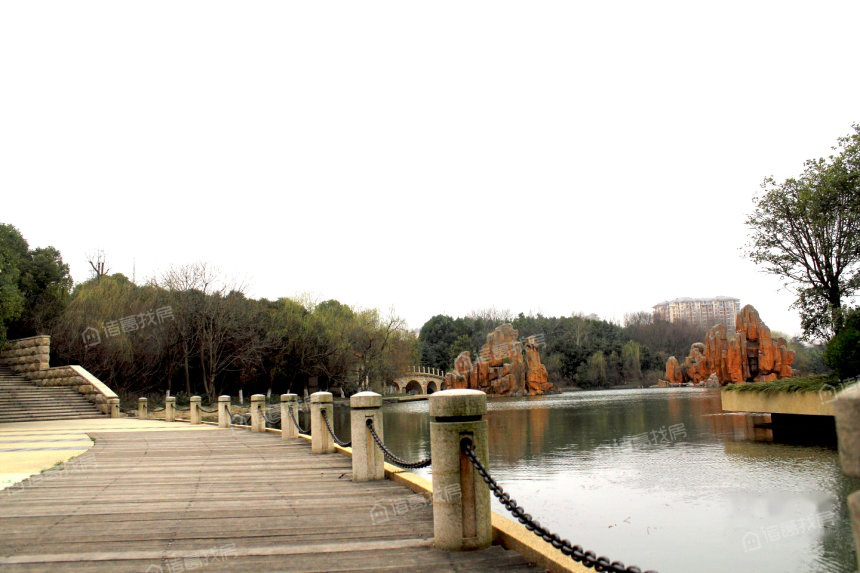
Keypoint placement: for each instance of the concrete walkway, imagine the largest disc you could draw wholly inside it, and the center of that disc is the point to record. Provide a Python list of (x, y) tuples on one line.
[(155, 497)]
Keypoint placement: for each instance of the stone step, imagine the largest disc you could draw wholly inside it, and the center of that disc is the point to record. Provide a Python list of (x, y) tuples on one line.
[(23, 401), (45, 407), (37, 389), (11, 420), (48, 394), (41, 397), (79, 399), (44, 398)]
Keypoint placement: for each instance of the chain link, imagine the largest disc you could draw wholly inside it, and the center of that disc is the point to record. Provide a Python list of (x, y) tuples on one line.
[(202, 409), (330, 431), (296, 422), (389, 455), (575, 552), (153, 411)]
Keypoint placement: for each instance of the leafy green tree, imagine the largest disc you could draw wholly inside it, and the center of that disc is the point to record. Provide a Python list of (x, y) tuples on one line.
[(596, 370), (13, 251), (437, 338), (461, 344), (34, 285), (806, 230), (631, 361), (46, 284), (842, 353)]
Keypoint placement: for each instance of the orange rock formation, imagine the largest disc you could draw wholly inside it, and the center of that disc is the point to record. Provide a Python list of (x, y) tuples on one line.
[(751, 355), (673, 371), (501, 368)]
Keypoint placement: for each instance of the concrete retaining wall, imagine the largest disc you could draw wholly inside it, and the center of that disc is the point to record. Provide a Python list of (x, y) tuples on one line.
[(808, 403)]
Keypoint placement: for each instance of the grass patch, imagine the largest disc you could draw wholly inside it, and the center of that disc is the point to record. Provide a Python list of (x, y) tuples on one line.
[(790, 385)]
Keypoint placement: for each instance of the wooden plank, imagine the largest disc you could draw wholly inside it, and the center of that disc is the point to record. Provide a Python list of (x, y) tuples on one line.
[(153, 497)]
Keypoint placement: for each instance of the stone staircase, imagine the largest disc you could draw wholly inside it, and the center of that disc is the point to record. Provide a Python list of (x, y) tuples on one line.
[(23, 401)]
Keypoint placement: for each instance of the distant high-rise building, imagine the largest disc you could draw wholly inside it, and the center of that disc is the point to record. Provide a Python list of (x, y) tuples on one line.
[(703, 311)]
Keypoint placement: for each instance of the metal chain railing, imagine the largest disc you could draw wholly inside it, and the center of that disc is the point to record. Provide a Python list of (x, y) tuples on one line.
[(202, 409), (156, 410), (389, 455), (330, 431), (296, 422), (575, 552)]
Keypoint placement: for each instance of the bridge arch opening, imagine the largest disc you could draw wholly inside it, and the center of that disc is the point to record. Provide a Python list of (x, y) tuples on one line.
[(431, 387), (414, 387), (392, 388)]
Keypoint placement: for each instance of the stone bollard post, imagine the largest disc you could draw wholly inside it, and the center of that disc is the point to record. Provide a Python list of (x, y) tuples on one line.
[(461, 499), (321, 442), (223, 411), (113, 407), (368, 461), (288, 429), (170, 409), (194, 414), (847, 409), (142, 409), (258, 423)]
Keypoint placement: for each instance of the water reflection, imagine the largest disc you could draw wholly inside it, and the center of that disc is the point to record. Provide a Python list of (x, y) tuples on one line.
[(692, 501)]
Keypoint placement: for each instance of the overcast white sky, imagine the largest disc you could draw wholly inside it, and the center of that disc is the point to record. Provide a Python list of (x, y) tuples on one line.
[(436, 157)]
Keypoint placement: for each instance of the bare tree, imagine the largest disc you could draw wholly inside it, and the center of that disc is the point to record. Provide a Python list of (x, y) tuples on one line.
[(98, 264)]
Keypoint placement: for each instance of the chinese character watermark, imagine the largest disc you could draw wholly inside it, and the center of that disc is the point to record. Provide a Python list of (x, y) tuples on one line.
[(78, 464), (664, 435), (132, 323), (195, 560), (383, 513), (752, 541)]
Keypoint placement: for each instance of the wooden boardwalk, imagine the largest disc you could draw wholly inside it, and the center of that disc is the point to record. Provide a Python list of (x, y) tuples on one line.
[(213, 500)]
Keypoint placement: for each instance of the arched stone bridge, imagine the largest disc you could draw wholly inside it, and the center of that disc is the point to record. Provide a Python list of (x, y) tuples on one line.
[(418, 380)]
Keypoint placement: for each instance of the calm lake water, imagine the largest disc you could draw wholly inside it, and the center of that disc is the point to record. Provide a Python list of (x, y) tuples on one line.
[(658, 478)]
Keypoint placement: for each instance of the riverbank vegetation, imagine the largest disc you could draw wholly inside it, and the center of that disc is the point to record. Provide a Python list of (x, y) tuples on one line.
[(826, 383)]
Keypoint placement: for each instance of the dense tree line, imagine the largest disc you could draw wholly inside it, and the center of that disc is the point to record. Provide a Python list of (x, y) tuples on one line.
[(189, 332), (579, 350)]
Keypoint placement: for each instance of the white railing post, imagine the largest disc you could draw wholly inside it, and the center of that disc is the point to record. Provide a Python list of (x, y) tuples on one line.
[(847, 409), (113, 407), (194, 413), (288, 428), (170, 409), (461, 499), (368, 462), (258, 424), (142, 409), (224, 411), (321, 441)]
